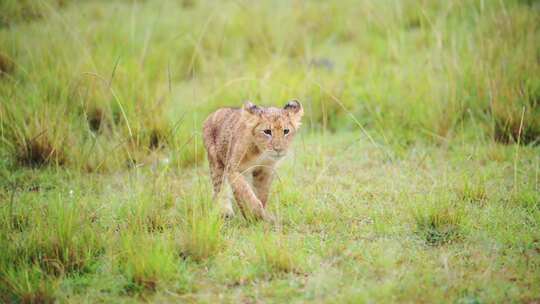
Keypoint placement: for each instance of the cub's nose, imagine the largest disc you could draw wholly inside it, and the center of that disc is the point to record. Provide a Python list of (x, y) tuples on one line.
[(280, 152)]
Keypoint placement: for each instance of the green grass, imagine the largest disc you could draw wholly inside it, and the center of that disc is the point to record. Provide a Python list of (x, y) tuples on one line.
[(415, 177), (361, 227), (439, 222)]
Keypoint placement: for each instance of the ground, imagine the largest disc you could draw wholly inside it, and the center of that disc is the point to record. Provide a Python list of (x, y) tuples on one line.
[(357, 223)]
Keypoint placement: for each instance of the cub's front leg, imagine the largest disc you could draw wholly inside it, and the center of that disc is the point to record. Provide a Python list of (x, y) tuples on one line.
[(262, 180), (245, 196)]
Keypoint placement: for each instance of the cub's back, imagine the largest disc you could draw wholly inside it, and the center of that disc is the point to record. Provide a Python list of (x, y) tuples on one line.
[(218, 128)]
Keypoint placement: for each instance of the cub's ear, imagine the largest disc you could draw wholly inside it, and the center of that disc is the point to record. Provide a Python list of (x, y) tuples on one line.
[(251, 108), (251, 114), (295, 111)]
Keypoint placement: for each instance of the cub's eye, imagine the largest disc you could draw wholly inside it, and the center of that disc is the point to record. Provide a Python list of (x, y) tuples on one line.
[(268, 132), (286, 131)]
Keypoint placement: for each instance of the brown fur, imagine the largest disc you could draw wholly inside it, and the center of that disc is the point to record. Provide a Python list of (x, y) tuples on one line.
[(243, 156)]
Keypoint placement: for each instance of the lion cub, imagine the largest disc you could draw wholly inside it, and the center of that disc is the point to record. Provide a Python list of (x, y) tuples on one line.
[(243, 146)]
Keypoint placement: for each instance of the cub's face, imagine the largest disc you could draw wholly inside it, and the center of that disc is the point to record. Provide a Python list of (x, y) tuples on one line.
[(273, 129)]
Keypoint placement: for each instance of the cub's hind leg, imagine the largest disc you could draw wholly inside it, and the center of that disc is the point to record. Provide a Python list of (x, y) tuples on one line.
[(222, 190), (217, 169)]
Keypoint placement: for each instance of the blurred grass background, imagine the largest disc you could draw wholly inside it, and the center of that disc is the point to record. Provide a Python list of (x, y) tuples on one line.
[(97, 85)]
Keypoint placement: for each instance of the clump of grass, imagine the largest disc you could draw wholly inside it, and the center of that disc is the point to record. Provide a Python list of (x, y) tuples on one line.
[(473, 190), (26, 284), (57, 238), (152, 133), (39, 151), (36, 138), (188, 3), (147, 215), (232, 267), (275, 254), (7, 66), (58, 256), (526, 198), (17, 221), (148, 136), (511, 129), (512, 90), (186, 143), (98, 154), (157, 139), (96, 119), (21, 279), (70, 244), (13, 217), (200, 236), (146, 261), (438, 222)]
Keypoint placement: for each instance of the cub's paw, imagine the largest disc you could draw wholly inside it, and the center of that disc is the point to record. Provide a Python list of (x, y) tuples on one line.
[(227, 213), (269, 218)]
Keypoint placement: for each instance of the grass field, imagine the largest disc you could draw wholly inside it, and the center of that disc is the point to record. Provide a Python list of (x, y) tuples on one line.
[(415, 177)]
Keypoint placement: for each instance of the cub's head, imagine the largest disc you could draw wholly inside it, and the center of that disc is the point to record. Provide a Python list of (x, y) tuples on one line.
[(273, 129)]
